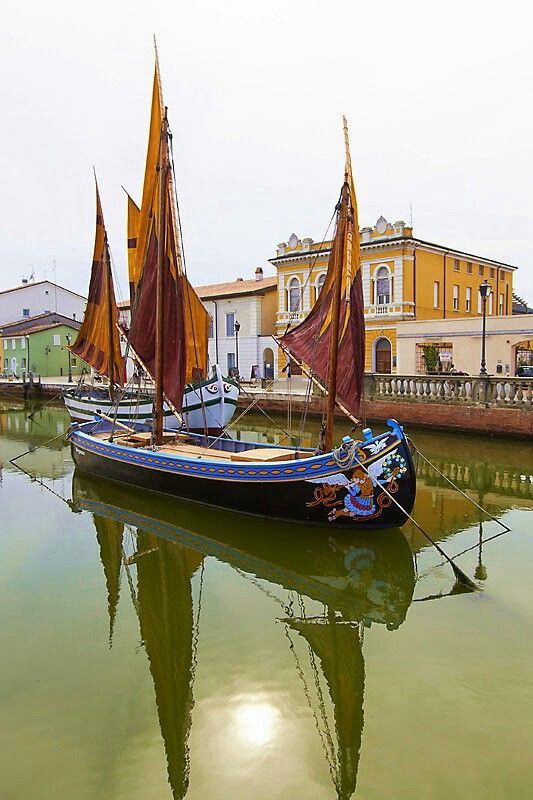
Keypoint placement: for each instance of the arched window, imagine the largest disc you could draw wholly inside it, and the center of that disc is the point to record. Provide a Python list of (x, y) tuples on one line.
[(295, 295), (383, 282), (320, 284)]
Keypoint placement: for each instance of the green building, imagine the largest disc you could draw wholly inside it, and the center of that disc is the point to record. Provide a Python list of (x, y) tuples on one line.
[(39, 345)]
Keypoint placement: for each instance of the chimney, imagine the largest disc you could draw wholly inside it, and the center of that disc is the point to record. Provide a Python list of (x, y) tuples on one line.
[(259, 273), (24, 280)]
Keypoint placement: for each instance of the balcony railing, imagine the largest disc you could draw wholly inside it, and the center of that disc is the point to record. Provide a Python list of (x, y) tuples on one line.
[(464, 389)]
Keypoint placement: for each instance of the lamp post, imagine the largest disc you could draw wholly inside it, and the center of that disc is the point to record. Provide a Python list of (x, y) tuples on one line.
[(67, 337), (484, 290), (237, 329)]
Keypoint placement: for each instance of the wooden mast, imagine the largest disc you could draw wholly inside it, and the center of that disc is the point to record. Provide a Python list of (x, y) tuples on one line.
[(338, 256), (110, 319), (161, 251)]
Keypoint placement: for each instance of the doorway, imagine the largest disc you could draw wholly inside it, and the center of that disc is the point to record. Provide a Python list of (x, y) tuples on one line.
[(268, 364), (383, 355)]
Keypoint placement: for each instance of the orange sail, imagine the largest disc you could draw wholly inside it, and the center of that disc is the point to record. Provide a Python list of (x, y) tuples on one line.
[(98, 340), (134, 214), (185, 326), (309, 342)]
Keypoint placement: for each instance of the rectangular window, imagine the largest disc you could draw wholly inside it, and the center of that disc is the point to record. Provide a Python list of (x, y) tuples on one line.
[(23, 342), (469, 267), (456, 298), (57, 338), (210, 334), (468, 299), (232, 363), (6, 363), (73, 362), (13, 343), (436, 293), (23, 363), (492, 272), (479, 304), (25, 312), (456, 265), (501, 306), (491, 304), (480, 270), (230, 324)]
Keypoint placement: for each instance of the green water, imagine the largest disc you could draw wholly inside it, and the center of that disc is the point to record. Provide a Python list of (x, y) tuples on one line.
[(155, 649)]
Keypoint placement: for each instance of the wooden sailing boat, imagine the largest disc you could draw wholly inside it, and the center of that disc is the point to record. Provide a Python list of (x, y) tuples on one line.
[(209, 399), (366, 483)]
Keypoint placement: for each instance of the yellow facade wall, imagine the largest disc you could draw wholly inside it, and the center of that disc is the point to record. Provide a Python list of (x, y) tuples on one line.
[(414, 266)]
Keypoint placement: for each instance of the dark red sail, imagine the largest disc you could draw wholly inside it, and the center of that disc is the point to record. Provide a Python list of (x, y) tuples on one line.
[(309, 342)]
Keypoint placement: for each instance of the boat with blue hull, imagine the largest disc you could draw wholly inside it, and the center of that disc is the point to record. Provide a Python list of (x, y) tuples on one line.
[(352, 486), (367, 483)]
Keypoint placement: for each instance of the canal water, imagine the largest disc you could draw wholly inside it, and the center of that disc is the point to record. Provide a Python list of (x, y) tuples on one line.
[(156, 649)]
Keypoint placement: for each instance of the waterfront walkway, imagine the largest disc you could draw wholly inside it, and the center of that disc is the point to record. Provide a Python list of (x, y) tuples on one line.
[(491, 405)]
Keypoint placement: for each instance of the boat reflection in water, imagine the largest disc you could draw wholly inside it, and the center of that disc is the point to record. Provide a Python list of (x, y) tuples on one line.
[(358, 580)]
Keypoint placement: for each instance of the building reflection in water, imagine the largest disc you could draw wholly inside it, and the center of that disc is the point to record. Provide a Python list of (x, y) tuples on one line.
[(357, 582)]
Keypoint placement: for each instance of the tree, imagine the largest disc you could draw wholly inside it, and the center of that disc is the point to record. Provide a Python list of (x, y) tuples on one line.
[(431, 357)]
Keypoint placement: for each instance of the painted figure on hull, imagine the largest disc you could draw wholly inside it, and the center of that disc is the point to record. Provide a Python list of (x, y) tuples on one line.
[(359, 498)]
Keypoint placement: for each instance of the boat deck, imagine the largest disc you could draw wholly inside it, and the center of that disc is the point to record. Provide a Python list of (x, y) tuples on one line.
[(183, 445)]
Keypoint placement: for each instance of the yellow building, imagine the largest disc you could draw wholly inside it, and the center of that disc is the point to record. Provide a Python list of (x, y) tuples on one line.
[(404, 278)]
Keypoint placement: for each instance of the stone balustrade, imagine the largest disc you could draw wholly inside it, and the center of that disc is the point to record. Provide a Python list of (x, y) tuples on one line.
[(493, 391)]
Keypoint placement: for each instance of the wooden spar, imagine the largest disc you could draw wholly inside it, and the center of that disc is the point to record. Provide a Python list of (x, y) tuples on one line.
[(335, 322), (116, 422), (159, 316), (315, 380), (110, 320)]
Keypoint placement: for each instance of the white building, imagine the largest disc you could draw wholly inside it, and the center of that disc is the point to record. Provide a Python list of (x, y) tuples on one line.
[(40, 297), (251, 304)]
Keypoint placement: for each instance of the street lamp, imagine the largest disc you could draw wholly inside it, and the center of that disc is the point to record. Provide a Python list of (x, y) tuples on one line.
[(484, 291), (237, 329), (67, 337)]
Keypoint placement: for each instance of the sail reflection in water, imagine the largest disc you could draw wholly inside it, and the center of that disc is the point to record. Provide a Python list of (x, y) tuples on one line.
[(357, 580)]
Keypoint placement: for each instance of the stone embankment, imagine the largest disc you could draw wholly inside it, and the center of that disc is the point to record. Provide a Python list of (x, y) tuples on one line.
[(491, 405)]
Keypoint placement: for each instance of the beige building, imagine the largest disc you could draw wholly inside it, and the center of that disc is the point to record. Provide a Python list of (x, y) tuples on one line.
[(457, 344), (251, 304)]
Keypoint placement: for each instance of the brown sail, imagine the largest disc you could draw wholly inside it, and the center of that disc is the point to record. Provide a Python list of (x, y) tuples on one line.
[(184, 319), (98, 339), (310, 342)]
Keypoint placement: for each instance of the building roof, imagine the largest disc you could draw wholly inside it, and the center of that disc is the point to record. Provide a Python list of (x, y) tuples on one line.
[(39, 322), (238, 287), (232, 289), (380, 243), (40, 283)]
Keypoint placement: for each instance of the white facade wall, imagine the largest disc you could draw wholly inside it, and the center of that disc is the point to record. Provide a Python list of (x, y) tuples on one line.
[(503, 335), (37, 298), (251, 343)]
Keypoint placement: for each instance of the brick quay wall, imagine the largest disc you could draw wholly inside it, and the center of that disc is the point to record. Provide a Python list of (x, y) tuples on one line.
[(497, 406)]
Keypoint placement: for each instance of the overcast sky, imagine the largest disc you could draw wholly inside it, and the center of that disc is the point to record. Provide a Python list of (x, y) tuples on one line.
[(438, 97)]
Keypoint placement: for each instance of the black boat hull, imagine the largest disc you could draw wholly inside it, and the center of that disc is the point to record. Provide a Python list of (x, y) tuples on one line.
[(348, 498)]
